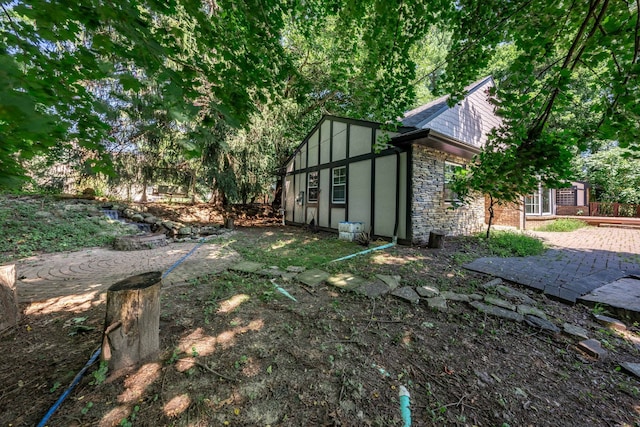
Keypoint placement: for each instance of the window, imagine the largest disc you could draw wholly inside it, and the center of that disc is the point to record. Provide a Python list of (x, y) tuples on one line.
[(312, 187), (538, 203), (449, 172), (566, 197), (339, 185)]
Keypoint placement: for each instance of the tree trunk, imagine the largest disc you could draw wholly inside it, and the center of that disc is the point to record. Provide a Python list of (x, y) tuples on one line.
[(9, 311), (132, 321), (277, 196), (490, 215)]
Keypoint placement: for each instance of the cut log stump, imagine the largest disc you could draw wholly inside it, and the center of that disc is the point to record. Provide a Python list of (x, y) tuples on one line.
[(436, 239), (9, 311), (132, 322)]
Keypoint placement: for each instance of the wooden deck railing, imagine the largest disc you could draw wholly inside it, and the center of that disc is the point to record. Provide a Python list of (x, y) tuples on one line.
[(614, 209)]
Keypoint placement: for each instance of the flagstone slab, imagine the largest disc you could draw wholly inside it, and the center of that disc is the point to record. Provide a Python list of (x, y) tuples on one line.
[(527, 309), (452, 296), (247, 267), (427, 291), (575, 331), (406, 293), (374, 289), (490, 299), (632, 368), (346, 281), (437, 303), (312, 277), (392, 281), (497, 311)]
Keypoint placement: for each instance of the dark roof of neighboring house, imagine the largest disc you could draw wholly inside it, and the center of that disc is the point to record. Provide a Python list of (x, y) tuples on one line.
[(431, 110)]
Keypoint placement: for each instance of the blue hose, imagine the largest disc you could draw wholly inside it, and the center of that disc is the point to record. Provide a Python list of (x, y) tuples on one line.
[(177, 263), (405, 411), (377, 248), (69, 389)]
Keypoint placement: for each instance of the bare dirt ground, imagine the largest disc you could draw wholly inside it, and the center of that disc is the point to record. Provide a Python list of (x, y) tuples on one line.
[(236, 353)]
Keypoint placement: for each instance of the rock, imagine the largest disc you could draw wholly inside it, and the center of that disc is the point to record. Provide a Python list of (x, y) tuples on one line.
[(346, 281), (632, 368), (270, 272), (184, 231), (392, 281), (452, 296), (374, 289), (313, 277), (497, 311), (514, 295), (427, 291), (492, 283), (593, 348), (541, 323), (407, 293), (134, 243), (484, 378), (475, 297), (295, 269), (136, 217), (209, 230), (575, 331), (490, 299), (437, 303), (610, 322), (527, 309), (75, 208), (288, 276), (150, 219), (43, 214), (246, 267)]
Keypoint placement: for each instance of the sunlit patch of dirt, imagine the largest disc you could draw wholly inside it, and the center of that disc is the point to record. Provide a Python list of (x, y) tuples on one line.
[(333, 358)]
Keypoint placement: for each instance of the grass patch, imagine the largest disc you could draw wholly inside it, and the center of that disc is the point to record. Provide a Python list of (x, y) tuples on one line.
[(41, 225), (564, 224), (509, 244), (300, 250)]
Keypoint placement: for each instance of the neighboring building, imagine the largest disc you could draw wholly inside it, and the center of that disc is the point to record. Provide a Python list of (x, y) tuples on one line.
[(544, 205), (334, 175)]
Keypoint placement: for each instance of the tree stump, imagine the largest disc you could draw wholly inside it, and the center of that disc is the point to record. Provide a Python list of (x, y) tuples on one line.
[(436, 239), (132, 322), (228, 223), (9, 311)]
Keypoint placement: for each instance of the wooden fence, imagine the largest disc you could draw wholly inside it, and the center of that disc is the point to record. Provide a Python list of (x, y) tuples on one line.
[(614, 209)]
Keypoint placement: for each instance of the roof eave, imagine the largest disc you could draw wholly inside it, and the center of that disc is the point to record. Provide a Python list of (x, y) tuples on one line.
[(438, 141)]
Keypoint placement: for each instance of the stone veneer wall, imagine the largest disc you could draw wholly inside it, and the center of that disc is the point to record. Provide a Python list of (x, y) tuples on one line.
[(428, 208)]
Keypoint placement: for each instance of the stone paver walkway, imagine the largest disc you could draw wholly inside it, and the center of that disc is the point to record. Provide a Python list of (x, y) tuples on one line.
[(63, 274), (577, 263)]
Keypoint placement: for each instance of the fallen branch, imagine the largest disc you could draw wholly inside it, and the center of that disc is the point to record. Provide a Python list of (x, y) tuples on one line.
[(206, 368)]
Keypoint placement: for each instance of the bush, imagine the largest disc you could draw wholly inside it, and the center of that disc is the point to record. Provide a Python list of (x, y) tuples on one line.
[(563, 225), (508, 244)]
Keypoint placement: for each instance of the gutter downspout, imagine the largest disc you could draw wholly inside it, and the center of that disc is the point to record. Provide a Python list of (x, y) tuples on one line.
[(397, 219)]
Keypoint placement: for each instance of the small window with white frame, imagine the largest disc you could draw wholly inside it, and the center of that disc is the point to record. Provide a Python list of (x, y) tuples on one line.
[(339, 185), (449, 172), (312, 187)]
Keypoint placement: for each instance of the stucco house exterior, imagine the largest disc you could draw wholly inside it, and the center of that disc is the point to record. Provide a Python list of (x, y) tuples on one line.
[(401, 192)]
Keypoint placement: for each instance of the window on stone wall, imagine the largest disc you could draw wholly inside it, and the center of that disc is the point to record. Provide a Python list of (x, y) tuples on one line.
[(312, 187), (449, 172), (339, 185)]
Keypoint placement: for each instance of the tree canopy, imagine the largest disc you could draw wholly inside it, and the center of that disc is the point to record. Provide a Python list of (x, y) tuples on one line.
[(567, 72)]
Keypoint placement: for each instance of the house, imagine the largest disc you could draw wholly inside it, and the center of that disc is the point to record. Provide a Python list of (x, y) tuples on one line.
[(401, 192), (543, 206)]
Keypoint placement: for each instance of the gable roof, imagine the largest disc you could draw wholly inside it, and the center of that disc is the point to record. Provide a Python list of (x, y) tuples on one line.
[(469, 121)]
